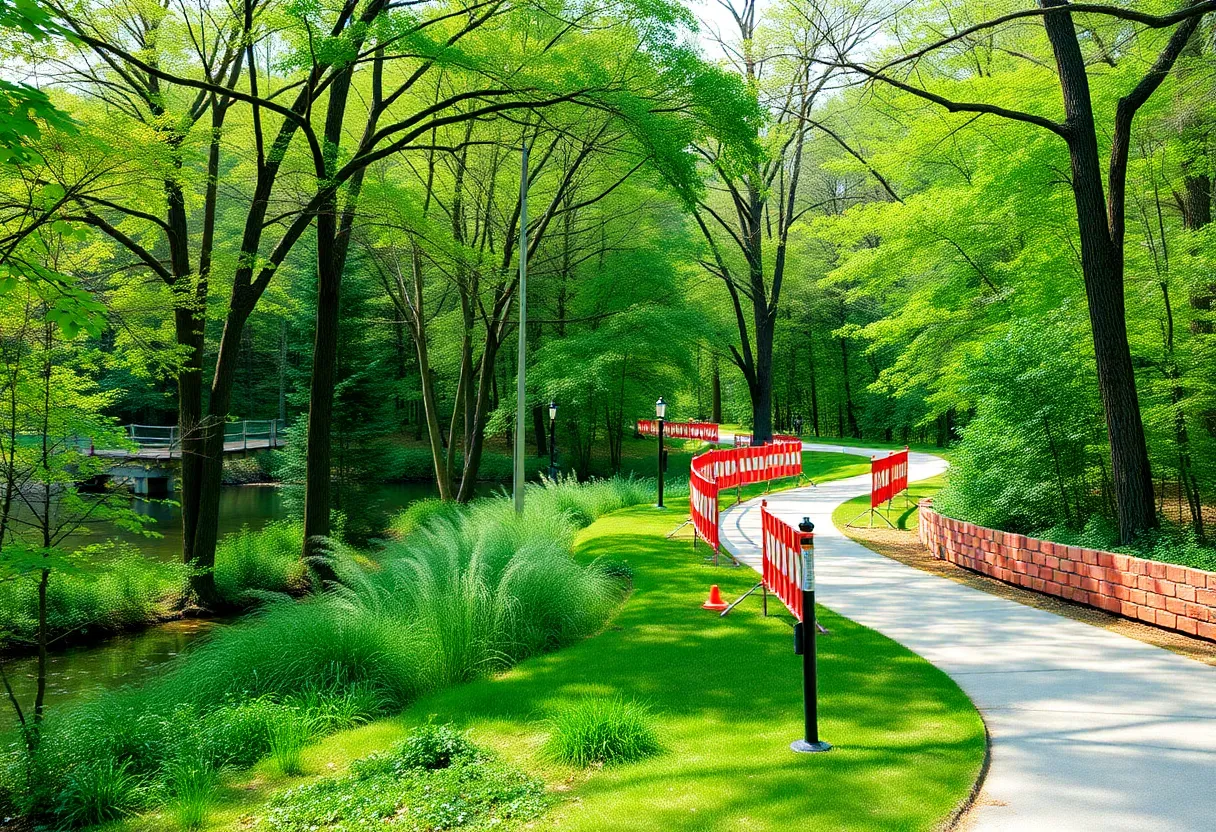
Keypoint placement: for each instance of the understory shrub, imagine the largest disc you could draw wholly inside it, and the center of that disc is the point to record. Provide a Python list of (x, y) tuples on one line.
[(469, 591), (602, 731), (250, 563), (465, 789), (117, 589)]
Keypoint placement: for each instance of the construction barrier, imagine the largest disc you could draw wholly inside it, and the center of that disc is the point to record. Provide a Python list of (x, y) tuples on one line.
[(722, 468), (888, 477), (704, 431), (781, 568), (703, 500)]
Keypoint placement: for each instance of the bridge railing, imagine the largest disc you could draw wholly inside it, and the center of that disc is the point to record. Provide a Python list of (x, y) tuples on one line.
[(247, 433), (254, 431)]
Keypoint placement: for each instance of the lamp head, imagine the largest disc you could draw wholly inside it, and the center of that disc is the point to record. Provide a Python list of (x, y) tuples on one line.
[(552, 411), (660, 408)]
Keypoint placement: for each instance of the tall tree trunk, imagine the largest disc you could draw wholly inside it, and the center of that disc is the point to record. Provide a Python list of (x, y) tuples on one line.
[(854, 430), (1102, 267), (810, 359), (716, 405)]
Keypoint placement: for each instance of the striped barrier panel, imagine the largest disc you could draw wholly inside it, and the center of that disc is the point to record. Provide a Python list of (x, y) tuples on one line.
[(781, 567), (888, 477), (703, 498), (703, 431)]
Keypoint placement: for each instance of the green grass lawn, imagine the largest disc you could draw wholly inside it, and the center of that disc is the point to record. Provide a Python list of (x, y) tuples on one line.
[(727, 695)]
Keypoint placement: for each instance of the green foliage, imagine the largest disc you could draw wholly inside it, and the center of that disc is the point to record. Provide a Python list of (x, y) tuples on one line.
[(432, 747), (1033, 454), (436, 779), (598, 730)]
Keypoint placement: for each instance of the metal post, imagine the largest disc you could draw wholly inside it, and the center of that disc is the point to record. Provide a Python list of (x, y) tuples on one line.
[(662, 466), (552, 449), (521, 387), (244, 436), (810, 741)]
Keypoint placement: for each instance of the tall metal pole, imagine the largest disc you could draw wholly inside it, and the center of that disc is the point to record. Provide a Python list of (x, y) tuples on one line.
[(521, 386)]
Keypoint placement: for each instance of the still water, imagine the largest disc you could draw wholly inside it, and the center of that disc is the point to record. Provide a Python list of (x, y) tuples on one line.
[(79, 672)]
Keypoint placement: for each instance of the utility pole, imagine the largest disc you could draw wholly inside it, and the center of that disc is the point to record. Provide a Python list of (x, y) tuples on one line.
[(521, 385)]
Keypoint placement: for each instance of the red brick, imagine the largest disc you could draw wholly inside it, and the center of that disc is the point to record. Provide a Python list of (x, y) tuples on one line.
[(1086, 555), (1197, 612), (1067, 566), (1146, 583), (1166, 588), (1120, 562), (1051, 562), (1175, 573), (1188, 625), (1175, 606), (1207, 631), (1167, 619), (1147, 614), (1122, 592), (1206, 597), (1185, 591), (1157, 570), (1106, 560), (1052, 588), (1128, 609), (1049, 548), (1157, 602), (1138, 596), (1032, 544), (1039, 559), (1060, 577)]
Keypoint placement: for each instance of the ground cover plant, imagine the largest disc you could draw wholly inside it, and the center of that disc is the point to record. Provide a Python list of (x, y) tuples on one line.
[(435, 779), (725, 698), (468, 592)]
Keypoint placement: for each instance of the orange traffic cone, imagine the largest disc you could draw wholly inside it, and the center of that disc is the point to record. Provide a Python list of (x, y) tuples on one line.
[(714, 602)]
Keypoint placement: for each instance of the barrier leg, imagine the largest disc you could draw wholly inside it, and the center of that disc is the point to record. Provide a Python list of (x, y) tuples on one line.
[(765, 595)]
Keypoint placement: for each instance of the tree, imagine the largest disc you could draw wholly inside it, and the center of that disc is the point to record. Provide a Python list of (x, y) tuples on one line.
[(756, 200), (1100, 206)]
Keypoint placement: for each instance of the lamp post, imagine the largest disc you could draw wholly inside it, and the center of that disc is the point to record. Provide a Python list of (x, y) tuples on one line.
[(553, 440), (660, 410), (810, 741), (521, 385)]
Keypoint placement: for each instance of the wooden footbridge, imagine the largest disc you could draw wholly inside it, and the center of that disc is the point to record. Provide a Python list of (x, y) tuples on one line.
[(148, 461)]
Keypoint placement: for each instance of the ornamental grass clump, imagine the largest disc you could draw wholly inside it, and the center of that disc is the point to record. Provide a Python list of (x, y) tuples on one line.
[(602, 731)]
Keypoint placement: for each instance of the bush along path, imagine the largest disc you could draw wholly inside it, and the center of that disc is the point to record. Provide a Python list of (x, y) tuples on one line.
[(670, 718), (1089, 729)]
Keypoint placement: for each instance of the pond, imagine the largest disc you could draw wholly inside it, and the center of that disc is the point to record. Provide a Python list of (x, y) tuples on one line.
[(83, 671)]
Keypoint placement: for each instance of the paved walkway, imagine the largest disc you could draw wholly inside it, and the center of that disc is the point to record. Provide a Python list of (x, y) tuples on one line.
[(1090, 730)]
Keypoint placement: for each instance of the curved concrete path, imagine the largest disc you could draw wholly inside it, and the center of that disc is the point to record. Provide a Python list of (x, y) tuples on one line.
[(1090, 730)]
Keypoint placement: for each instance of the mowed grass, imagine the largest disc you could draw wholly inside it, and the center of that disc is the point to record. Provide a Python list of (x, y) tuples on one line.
[(726, 699)]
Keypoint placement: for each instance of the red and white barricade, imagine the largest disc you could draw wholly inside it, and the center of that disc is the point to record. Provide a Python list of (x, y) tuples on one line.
[(781, 567)]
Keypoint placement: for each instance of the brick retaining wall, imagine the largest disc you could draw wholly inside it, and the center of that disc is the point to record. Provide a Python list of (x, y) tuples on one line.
[(1174, 597)]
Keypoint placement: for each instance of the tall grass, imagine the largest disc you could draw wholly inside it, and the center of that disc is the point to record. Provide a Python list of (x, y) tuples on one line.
[(465, 592), (602, 731)]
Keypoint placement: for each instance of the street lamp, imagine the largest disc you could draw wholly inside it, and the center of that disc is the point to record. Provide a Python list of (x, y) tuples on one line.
[(810, 741), (660, 410), (553, 440)]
